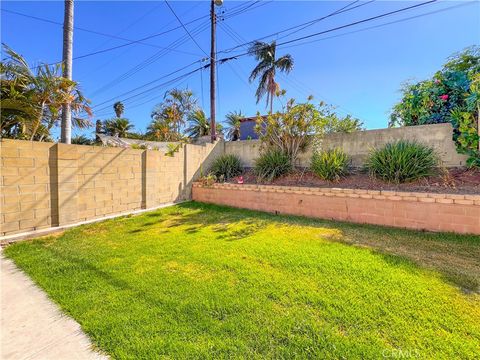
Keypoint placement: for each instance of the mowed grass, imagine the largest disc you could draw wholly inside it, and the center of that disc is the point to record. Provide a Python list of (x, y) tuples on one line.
[(203, 281)]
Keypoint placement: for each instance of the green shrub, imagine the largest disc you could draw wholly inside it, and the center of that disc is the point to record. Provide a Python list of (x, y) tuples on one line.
[(330, 164), (226, 166), (272, 164), (402, 161)]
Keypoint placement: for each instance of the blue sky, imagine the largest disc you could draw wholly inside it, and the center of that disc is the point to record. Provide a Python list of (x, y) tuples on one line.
[(358, 71)]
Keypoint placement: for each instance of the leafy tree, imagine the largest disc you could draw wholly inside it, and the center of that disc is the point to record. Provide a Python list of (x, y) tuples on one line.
[(267, 66), (117, 127), (175, 108), (290, 130), (232, 120), (451, 95), (161, 128), (119, 109), (32, 102), (337, 124)]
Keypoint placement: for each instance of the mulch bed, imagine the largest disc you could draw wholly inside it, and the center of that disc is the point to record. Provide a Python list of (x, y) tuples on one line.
[(457, 180)]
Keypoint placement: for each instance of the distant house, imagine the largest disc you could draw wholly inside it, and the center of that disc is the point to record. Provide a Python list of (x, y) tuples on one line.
[(247, 128)]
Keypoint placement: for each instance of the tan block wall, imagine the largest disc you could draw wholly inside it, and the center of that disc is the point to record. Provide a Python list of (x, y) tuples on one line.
[(357, 145), (45, 184), (26, 195), (419, 211)]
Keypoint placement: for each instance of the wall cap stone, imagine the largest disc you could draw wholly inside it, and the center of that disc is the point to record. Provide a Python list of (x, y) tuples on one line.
[(443, 198)]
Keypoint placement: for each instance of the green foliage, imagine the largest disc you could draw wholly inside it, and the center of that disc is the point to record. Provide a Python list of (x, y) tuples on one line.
[(402, 161), (199, 124), (117, 127), (297, 126), (173, 148), (452, 95), (330, 164), (268, 65), (271, 164), (82, 140), (226, 167), (139, 146), (244, 284), (32, 102), (334, 123), (170, 116), (290, 130), (232, 122)]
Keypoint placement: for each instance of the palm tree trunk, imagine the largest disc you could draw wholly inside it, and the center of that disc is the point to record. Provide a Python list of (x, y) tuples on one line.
[(66, 136)]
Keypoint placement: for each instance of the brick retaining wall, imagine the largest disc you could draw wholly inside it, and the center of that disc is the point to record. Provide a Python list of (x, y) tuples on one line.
[(420, 211)]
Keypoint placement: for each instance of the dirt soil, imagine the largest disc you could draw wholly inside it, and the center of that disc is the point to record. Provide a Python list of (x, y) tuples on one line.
[(457, 181)]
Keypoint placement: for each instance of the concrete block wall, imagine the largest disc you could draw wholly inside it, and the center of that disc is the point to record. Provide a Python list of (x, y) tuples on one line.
[(418, 211), (47, 185), (26, 182), (357, 145)]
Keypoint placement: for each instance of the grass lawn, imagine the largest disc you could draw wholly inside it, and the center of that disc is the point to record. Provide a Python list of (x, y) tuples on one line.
[(203, 281)]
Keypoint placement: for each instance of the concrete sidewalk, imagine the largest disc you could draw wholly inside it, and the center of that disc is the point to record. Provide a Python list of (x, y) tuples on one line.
[(32, 326)]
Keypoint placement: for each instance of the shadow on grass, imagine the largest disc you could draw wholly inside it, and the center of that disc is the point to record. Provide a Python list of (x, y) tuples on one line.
[(454, 256)]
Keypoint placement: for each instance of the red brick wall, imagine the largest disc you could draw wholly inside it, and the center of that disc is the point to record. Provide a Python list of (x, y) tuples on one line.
[(420, 211)]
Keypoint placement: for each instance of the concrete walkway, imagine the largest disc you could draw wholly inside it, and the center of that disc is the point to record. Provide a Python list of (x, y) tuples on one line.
[(32, 326)]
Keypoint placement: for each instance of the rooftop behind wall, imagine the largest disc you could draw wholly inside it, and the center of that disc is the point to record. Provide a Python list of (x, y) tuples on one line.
[(357, 145)]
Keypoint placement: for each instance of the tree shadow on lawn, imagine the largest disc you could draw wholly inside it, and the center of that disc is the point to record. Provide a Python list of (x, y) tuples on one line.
[(454, 256)]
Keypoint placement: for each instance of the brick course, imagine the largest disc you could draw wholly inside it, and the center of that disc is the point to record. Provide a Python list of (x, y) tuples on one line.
[(419, 211)]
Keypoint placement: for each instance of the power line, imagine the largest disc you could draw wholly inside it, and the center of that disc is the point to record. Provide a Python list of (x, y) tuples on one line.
[(175, 44), (334, 29), (384, 24), (148, 83), (226, 59), (185, 28), (157, 86), (305, 25), (148, 61), (129, 41)]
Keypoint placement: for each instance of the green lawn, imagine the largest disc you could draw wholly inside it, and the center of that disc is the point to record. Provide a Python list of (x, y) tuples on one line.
[(202, 281)]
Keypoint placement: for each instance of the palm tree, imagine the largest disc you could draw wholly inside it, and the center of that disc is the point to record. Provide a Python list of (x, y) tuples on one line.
[(176, 107), (118, 127), (266, 69), (119, 108), (67, 56), (82, 140), (199, 124), (233, 124), (33, 103), (161, 129)]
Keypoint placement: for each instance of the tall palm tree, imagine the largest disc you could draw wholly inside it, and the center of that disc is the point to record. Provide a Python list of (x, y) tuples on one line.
[(266, 68), (66, 133), (118, 127), (119, 108), (232, 120)]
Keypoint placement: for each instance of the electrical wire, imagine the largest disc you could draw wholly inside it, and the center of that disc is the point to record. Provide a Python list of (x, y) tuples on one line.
[(185, 28)]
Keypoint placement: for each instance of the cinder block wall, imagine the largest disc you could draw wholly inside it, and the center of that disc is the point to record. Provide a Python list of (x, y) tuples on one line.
[(357, 145), (46, 185)]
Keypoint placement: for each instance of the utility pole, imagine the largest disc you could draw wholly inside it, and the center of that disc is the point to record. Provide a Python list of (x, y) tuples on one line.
[(213, 80), (213, 66), (66, 133)]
